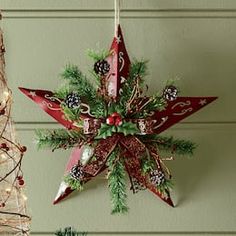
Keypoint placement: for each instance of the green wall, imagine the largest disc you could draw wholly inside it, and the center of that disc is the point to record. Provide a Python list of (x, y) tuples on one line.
[(192, 39)]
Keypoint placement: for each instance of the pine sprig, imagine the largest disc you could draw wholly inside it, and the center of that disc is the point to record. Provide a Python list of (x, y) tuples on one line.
[(138, 69), (98, 55), (147, 165), (117, 185), (73, 183), (58, 138), (157, 103), (76, 81), (68, 231), (178, 146), (167, 185)]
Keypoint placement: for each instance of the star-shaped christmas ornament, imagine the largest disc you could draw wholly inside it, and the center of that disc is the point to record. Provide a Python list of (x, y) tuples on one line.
[(115, 128)]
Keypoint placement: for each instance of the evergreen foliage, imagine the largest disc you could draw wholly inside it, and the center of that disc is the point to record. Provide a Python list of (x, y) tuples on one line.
[(69, 231), (58, 138), (178, 146), (138, 70), (166, 186), (76, 81), (98, 55), (117, 184), (73, 183)]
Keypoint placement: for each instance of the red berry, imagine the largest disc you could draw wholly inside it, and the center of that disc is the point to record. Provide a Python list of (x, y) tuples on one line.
[(3, 204), (19, 177), (21, 182), (23, 149), (110, 120), (118, 121), (3, 145), (115, 114), (2, 112)]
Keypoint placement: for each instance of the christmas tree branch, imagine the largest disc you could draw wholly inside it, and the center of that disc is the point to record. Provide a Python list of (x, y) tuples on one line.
[(178, 146), (58, 138), (117, 184)]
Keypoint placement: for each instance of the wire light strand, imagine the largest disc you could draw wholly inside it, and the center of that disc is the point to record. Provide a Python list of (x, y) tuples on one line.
[(13, 215)]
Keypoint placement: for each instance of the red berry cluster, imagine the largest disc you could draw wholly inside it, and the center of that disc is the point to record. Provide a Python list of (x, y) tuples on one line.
[(114, 119), (20, 180), (2, 112), (4, 146), (23, 148)]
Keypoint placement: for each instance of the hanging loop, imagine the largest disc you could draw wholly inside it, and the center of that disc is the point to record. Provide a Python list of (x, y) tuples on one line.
[(117, 15)]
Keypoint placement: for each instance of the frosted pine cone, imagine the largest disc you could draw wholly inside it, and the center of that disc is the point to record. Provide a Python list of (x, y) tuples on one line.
[(157, 177), (101, 67), (76, 172), (136, 186), (72, 100), (170, 93)]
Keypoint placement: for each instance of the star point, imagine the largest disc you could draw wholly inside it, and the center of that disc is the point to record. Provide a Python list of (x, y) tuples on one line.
[(118, 39), (202, 102), (32, 93)]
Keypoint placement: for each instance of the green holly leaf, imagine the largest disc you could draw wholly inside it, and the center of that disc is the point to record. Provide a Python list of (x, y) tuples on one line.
[(127, 128), (105, 131)]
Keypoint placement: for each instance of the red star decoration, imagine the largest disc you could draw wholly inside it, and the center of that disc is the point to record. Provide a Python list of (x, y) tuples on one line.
[(119, 60)]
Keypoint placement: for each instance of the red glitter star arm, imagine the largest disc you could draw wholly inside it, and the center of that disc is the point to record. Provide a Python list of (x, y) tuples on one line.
[(133, 150), (64, 189), (120, 64), (49, 104), (179, 109)]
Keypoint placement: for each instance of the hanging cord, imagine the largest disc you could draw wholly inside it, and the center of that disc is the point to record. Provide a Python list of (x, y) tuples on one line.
[(117, 14)]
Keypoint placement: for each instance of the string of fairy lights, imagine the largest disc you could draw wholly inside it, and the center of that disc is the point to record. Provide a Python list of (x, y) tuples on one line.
[(13, 215)]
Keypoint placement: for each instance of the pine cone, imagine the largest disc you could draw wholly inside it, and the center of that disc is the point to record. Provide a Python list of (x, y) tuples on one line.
[(76, 172), (170, 93), (72, 100), (101, 67), (157, 177), (136, 186)]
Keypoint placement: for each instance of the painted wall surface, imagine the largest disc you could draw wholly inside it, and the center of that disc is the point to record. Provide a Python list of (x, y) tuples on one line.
[(194, 40)]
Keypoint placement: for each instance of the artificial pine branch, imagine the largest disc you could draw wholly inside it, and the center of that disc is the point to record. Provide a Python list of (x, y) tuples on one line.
[(167, 185), (58, 138), (138, 69), (68, 231), (156, 103), (78, 82), (73, 183), (117, 184), (178, 146), (147, 165), (98, 55)]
